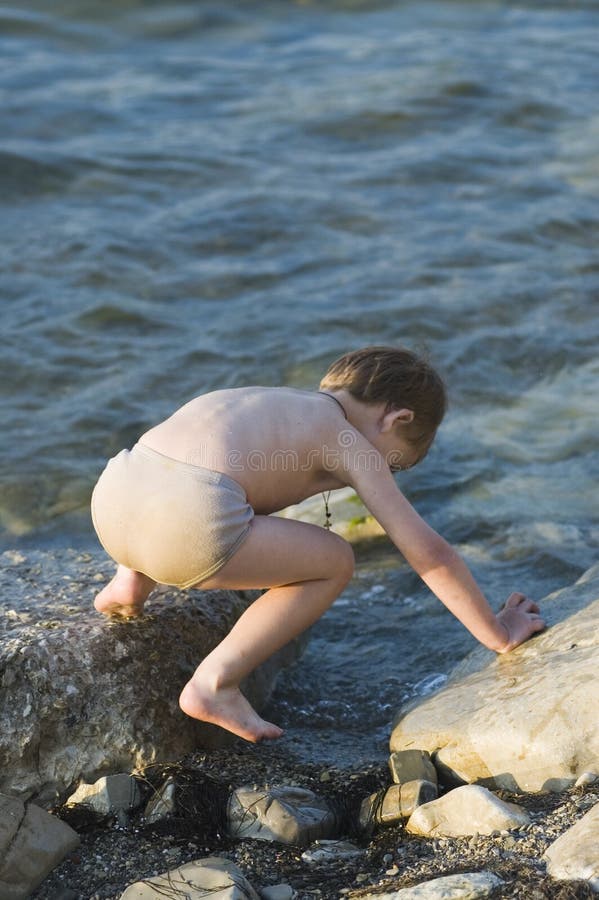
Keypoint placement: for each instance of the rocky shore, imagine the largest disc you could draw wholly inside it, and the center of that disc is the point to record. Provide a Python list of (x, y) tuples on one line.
[(491, 789), (114, 854)]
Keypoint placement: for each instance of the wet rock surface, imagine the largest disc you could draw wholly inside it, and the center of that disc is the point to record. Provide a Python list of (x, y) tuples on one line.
[(82, 695), (112, 857), (524, 721)]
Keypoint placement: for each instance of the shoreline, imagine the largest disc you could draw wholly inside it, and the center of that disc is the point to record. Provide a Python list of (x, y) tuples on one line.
[(390, 858)]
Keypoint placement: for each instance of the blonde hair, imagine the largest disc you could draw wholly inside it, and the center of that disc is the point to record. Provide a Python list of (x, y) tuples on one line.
[(399, 379)]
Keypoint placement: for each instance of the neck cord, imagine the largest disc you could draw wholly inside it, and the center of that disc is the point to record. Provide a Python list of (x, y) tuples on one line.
[(325, 497), (334, 399)]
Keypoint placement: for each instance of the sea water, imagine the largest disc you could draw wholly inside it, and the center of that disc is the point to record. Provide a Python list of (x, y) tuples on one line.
[(197, 195)]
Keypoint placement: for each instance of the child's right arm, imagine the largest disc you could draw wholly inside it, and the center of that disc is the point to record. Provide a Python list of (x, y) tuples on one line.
[(438, 564)]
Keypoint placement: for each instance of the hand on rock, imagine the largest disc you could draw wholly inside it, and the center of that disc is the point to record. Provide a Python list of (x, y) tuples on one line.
[(521, 618)]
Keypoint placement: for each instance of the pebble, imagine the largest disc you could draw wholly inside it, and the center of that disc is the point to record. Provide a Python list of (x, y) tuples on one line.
[(586, 778), (277, 892), (330, 851), (413, 859)]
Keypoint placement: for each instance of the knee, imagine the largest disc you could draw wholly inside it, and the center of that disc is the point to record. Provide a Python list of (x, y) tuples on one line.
[(345, 562)]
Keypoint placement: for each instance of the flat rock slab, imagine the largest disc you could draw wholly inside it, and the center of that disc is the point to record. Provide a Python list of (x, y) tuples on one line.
[(466, 886), (575, 855), (467, 810), (32, 843), (526, 720), (212, 877), (82, 696)]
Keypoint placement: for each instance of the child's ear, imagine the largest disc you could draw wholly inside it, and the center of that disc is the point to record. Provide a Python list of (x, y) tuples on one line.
[(403, 416)]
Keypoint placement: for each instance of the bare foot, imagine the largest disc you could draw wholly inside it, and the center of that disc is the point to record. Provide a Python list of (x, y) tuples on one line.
[(125, 595), (226, 707)]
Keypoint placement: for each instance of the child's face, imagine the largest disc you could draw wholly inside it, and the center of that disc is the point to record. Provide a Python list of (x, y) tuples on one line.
[(403, 457), (397, 452), (391, 441)]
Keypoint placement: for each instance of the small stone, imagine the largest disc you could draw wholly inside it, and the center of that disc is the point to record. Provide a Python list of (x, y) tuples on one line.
[(277, 892), (586, 802), (463, 812), (325, 776), (586, 778), (414, 794), (412, 765), (109, 794), (162, 804), (392, 871), (398, 802), (330, 851), (361, 877)]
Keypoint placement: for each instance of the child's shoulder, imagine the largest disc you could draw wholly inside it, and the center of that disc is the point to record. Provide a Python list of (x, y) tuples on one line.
[(303, 416)]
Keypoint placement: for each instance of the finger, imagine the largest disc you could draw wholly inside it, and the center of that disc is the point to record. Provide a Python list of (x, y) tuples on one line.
[(514, 600), (528, 606)]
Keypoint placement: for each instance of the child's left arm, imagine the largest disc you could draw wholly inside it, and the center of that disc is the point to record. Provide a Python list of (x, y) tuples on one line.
[(440, 566)]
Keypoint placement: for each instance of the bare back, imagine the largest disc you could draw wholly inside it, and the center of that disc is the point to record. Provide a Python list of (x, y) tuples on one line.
[(274, 442)]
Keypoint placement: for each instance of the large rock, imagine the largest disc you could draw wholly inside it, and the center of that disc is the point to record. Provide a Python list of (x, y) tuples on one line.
[(32, 843), (81, 696), (526, 720), (575, 855)]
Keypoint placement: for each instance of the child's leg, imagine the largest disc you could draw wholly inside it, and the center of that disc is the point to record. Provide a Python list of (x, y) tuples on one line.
[(306, 568), (125, 595)]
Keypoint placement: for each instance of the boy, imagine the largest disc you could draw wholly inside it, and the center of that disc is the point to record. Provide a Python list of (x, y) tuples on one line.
[(189, 505)]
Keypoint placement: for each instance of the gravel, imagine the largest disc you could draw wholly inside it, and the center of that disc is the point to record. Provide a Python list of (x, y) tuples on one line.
[(112, 855)]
